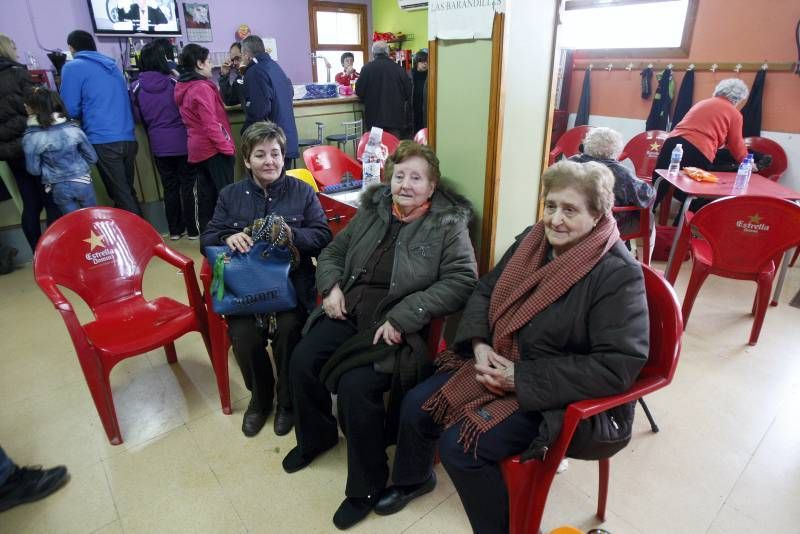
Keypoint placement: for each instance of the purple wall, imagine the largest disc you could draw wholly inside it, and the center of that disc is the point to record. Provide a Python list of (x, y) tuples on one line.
[(285, 20)]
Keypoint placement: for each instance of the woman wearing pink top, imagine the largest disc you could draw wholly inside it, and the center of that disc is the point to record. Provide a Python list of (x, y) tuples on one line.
[(708, 126), (210, 144)]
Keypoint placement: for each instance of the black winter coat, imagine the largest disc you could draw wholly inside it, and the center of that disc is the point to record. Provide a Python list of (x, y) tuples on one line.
[(15, 81), (590, 343), (240, 203), (385, 89)]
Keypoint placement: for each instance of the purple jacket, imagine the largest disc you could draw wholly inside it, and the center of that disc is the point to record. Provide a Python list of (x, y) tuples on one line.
[(153, 97)]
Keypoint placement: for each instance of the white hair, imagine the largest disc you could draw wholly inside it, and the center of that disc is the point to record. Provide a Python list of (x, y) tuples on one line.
[(380, 48), (734, 89), (603, 143)]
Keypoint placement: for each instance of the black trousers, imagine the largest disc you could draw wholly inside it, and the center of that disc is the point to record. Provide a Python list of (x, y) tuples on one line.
[(178, 179), (115, 164), (214, 173), (691, 158), (249, 342), (34, 199), (475, 474), (360, 408)]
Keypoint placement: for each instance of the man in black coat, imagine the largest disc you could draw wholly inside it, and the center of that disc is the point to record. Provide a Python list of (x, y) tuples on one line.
[(385, 89)]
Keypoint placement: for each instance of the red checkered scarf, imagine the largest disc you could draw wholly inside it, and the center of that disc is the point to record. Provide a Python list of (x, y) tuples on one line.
[(527, 286)]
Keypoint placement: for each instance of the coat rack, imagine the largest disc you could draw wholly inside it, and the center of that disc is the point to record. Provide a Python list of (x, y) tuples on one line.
[(782, 66)]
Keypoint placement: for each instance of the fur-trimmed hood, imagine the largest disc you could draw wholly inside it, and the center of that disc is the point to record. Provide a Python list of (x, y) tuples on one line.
[(447, 206)]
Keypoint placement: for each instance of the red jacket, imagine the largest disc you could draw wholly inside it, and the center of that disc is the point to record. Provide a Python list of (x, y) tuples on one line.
[(711, 123), (345, 79), (207, 126)]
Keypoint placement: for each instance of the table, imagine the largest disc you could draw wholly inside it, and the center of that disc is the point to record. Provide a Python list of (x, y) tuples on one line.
[(758, 186)]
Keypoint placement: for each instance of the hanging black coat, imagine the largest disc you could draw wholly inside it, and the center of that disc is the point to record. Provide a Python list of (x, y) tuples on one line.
[(751, 112), (685, 96), (662, 103), (582, 117)]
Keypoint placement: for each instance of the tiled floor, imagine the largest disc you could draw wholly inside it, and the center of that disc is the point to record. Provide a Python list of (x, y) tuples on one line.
[(726, 461)]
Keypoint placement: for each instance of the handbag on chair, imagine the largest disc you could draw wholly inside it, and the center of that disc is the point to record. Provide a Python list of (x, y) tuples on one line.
[(256, 281)]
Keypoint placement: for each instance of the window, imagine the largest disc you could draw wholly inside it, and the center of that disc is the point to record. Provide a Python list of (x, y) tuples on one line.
[(615, 27), (335, 29)]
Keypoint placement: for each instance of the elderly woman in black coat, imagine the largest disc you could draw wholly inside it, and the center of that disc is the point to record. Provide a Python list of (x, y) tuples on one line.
[(267, 190), (561, 318)]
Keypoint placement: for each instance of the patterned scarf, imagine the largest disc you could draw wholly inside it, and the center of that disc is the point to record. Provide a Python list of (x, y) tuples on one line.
[(527, 286), (413, 215)]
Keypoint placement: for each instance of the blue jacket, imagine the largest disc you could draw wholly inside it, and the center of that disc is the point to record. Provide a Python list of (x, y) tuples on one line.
[(268, 96), (240, 203), (94, 91), (58, 153)]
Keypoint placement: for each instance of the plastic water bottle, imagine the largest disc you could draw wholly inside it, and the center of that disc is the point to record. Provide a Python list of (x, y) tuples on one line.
[(675, 161), (742, 176), (750, 164), (372, 158)]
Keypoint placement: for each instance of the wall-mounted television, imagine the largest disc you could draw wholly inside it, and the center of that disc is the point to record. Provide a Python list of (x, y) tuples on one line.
[(135, 17)]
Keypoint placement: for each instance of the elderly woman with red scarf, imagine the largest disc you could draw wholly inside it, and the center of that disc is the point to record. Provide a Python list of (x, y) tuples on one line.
[(561, 318)]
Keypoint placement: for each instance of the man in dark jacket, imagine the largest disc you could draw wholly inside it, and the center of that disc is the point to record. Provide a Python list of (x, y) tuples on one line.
[(385, 89), (268, 93), (230, 81)]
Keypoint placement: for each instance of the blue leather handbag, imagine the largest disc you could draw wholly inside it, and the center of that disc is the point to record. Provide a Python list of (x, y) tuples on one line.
[(253, 282)]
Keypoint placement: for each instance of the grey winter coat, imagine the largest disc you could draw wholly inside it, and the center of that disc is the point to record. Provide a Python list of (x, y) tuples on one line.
[(434, 268)]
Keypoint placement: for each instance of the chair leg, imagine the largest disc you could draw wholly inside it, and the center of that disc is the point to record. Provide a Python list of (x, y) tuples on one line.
[(699, 275), (794, 258), (100, 389), (219, 359), (604, 466), (761, 305), (653, 425), (172, 356)]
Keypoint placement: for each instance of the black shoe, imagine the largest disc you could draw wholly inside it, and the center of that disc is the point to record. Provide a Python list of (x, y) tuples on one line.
[(296, 460), (284, 421), (395, 498), (352, 510), (28, 484), (254, 420)]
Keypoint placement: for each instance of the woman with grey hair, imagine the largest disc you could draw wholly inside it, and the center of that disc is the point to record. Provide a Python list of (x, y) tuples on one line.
[(709, 125), (604, 145)]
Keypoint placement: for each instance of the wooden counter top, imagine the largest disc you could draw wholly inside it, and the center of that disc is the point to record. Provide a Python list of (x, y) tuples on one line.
[(313, 102)]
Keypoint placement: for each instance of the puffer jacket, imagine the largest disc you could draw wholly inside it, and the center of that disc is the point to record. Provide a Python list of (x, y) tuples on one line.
[(240, 203), (434, 268), (153, 98), (15, 81), (207, 125), (590, 343), (59, 153)]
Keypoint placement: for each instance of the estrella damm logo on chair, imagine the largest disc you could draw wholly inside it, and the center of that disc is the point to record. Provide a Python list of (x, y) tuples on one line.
[(654, 150), (96, 241), (754, 225)]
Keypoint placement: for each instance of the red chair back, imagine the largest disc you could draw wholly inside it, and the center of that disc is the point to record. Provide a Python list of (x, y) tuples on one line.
[(666, 329), (745, 233), (99, 253), (328, 164), (568, 144), (643, 150), (389, 144), (774, 170), (421, 137)]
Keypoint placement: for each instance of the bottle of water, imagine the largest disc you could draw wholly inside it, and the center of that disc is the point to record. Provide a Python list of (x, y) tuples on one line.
[(675, 161), (742, 177), (750, 164), (372, 159)]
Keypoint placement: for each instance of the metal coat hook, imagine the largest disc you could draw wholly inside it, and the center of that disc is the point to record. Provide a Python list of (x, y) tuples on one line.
[(737, 68), (649, 65), (764, 66), (669, 66), (714, 67), (609, 67), (690, 67), (591, 66), (629, 67)]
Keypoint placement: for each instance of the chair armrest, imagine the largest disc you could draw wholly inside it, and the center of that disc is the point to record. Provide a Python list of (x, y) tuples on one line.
[(55, 295), (587, 408), (74, 327), (173, 257), (557, 151), (186, 265)]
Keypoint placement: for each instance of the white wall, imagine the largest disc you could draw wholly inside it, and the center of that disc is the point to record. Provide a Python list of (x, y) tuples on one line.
[(789, 141), (524, 103)]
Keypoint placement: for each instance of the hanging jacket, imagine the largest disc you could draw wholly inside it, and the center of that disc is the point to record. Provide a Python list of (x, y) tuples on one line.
[(659, 118), (647, 82), (685, 96), (94, 92), (582, 116), (207, 126), (153, 97), (15, 81), (751, 112)]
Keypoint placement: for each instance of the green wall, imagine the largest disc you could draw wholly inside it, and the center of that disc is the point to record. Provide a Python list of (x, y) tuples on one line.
[(388, 17)]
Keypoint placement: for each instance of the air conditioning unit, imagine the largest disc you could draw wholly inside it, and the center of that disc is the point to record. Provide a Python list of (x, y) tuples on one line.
[(412, 5)]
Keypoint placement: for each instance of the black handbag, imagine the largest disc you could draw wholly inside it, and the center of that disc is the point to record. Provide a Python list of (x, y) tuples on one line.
[(256, 281)]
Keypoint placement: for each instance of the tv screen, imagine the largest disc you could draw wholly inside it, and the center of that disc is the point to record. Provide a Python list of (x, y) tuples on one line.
[(133, 17)]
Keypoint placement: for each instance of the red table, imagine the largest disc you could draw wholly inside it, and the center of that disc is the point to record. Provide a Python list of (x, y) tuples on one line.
[(758, 186)]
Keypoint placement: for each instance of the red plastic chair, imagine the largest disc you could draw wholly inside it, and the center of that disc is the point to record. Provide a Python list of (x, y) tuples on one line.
[(529, 483), (568, 144), (643, 232), (101, 254), (741, 238), (774, 170), (328, 164), (421, 137), (643, 150), (389, 144)]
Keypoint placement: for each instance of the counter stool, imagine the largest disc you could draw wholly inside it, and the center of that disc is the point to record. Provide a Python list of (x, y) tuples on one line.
[(305, 143), (352, 132)]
